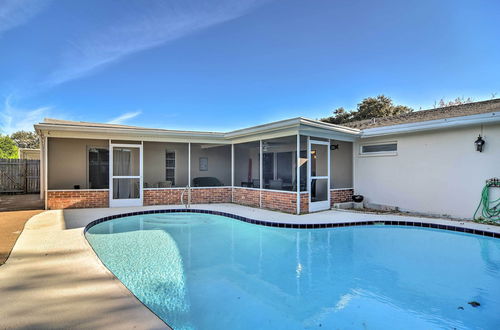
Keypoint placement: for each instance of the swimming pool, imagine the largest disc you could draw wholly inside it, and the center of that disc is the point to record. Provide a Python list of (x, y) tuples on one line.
[(203, 271)]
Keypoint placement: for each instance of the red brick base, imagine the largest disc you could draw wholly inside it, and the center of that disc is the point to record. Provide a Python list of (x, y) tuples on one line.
[(304, 203), (340, 196), (75, 199), (279, 201), (162, 197), (273, 200), (248, 197), (198, 196)]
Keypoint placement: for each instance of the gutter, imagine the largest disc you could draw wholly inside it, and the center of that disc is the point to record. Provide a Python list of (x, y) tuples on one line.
[(483, 118)]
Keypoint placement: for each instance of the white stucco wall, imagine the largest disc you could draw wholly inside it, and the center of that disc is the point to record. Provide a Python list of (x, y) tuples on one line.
[(436, 172)]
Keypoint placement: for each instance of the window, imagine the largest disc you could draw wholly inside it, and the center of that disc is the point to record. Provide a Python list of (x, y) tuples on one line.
[(170, 166), (389, 148), (98, 167)]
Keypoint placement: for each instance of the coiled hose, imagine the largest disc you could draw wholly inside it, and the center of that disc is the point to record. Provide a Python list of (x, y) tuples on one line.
[(490, 210)]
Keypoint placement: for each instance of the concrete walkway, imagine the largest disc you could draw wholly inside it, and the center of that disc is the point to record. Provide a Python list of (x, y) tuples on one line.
[(53, 279)]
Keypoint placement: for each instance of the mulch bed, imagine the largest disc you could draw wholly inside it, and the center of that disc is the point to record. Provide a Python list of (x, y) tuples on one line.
[(11, 226)]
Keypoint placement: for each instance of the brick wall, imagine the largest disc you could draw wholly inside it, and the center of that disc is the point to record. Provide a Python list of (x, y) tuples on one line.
[(248, 197), (340, 196), (162, 197), (304, 203), (210, 195), (73, 199), (198, 196), (280, 201)]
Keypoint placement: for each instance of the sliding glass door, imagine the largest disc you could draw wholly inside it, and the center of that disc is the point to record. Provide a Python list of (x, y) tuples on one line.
[(125, 175)]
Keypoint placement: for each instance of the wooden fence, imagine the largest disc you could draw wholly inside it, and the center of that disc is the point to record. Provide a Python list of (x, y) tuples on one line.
[(21, 176)]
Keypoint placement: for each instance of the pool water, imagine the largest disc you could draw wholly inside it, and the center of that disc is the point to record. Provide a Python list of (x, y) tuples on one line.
[(201, 271)]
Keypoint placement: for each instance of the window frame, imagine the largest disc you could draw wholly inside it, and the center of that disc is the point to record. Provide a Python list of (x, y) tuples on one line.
[(87, 164), (378, 153), (174, 168)]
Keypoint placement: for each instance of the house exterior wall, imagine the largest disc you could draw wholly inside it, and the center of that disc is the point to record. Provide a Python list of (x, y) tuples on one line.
[(341, 165), (154, 162), (67, 162), (435, 172), (219, 162), (75, 199)]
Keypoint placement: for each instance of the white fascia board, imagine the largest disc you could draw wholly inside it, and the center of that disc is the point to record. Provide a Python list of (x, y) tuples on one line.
[(483, 118), (271, 130)]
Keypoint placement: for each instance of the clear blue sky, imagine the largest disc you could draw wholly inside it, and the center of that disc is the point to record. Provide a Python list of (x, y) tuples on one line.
[(221, 65)]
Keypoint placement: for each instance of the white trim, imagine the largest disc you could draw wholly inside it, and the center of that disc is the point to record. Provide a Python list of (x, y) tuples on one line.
[(340, 189), (52, 190), (281, 191), (128, 201), (484, 118), (319, 205), (249, 188), (193, 188), (46, 170), (261, 173), (232, 172), (189, 164), (297, 175)]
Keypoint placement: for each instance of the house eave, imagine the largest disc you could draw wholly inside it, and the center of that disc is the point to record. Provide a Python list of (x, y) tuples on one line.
[(463, 121)]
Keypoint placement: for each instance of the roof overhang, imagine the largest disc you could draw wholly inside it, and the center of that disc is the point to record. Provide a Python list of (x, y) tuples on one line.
[(463, 121), (294, 126)]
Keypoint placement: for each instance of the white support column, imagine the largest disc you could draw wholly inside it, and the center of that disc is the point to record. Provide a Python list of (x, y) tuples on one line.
[(232, 165), (297, 176), (46, 169), (329, 152), (189, 164), (232, 172), (42, 147), (110, 183), (141, 173), (308, 176), (261, 175)]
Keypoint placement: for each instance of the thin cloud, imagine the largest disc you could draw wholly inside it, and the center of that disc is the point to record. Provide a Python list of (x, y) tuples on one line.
[(149, 26), (13, 119), (17, 12), (123, 118)]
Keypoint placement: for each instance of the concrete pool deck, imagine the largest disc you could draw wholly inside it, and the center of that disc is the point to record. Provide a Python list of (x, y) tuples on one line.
[(53, 279)]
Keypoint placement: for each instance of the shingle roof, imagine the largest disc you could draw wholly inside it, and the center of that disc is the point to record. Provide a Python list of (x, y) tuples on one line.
[(432, 114)]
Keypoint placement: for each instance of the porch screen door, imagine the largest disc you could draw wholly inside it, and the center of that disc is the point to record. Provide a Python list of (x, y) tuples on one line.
[(319, 175), (125, 175)]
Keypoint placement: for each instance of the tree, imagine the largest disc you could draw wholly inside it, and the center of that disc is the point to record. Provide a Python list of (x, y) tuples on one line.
[(8, 148), (24, 139), (370, 107)]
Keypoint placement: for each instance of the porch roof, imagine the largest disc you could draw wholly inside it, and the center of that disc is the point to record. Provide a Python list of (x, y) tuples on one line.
[(73, 129)]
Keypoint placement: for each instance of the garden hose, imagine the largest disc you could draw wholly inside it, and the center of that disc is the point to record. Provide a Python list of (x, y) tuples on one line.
[(490, 209)]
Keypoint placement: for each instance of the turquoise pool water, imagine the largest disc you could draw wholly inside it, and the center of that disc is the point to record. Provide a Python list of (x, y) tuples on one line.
[(200, 271)]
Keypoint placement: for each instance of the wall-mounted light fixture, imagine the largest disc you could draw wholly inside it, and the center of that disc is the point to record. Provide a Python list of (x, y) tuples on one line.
[(334, 147), (479, 143)]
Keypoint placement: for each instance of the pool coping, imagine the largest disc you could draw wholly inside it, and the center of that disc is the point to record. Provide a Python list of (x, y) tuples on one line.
[(420, 224)]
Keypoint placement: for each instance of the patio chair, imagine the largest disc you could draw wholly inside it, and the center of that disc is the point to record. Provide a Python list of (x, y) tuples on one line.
[(256, 183)]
